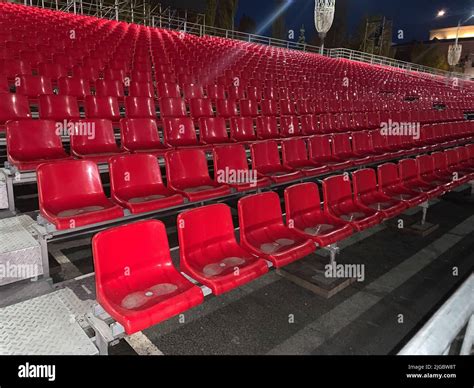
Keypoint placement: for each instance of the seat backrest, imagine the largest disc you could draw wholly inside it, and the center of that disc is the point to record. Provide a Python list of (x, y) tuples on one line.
[(140, 107), (102, 108), (52, 70), (113, 252), (168, 90), (33, 140), (407, 169), (301, 200), (319, 147), (425, 164), (364, 181), (172, 107), (208, 227), (269, 107), (308, 125), (14, 107), (259, 211), (289, 126), (287, 107), (379, 141), (294, 150), (192, 91), (14, 67), (213, 130), (470, 151), (93, 136), (387, 175), (33, 86), (463, 154), (452, 157), (74, 86), (440, 160), (70, 184), (267, 127), (242, 129), (56, 107), (229, 159), (186, 167), (341, 144), (139, 134), (336, 189), (215, 92), (131, 172), (362, 142), (265, 154), (227, 108), (141, 89), (179, 132), (201, 107), (248, 108), (106, 88)]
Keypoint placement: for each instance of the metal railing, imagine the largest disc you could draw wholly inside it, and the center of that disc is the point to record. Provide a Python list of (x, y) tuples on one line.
[(157, 16)]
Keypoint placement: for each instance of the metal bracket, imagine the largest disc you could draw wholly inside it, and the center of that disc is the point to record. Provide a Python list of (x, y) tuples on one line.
[(333, 250)]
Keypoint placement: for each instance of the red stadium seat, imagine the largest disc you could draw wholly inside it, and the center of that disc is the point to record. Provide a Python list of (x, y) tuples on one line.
[(192, 91), (141, 89), (102, 108), (141, 136), (339, 201), (269, 108), (342, 150), (32, 142), (266, 161), (287, 108), (168, 90), (426, 172), (391, 185), (136, 184), (267, 128), (140, 108), (59, 108), (74, 86), (231, 168), (248, 108), (366, 192), (362, 146), (263, 233), (94, 140), (201, 107), (409, 176), (320, 153), (215, 92), (188, 174), (71, 195), (109, 88), (14, 67), (32, 86), (4, 87), (242, 129), (210, 253), (289, 126), (172, 108), (180, 132), (461, 175), (13, 107), (52, 71), (305, 215), (295, 156), (226, 108), (154, 290), (213, 130)]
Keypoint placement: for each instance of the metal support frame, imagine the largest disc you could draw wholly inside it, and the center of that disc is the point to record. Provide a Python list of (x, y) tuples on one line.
[(424, 206), (333, 250)]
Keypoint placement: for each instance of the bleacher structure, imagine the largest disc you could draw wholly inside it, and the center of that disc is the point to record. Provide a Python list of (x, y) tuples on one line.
[(181, 123)]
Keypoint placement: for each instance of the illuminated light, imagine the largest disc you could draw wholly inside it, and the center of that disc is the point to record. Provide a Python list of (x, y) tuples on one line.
[(441, 13), (273, 16)]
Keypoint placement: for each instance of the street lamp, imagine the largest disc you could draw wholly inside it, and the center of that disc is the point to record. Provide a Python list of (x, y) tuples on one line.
[(323, 18)]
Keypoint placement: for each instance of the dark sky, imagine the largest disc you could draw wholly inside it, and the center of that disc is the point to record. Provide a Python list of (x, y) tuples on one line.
[(414, 17)]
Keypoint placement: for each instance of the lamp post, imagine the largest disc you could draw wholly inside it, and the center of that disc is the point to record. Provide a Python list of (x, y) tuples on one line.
[(323, 18)]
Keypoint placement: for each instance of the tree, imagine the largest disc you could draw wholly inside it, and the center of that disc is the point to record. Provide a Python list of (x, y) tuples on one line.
[(302, 37), (225, 11), (211, 12), (431, 56), (247, 24)]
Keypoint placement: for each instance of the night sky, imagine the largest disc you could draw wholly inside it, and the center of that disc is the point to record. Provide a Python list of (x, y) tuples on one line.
[(414, 17)]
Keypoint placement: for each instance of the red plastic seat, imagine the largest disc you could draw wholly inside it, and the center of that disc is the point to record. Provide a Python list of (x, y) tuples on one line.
[(263, 233), (465, 161), (295, 156), (215, 92), (52, 70), (226, 108), (201, 107), (32, 142), (289, 126), (460, 173), (32, 86), (266, 161), (366, 192), (187, 173), (426, 172), (13, 107), (267, 128), (59, 108), (213, 130), (242, 129), (180, 132), (409, 176), (94, 140), (287, 108), (14, 67), (269, 108), (141, 136), (443, 170), (102, 108), (71, 195), (210, 253), (168, 90), (140, 108), (248, 108), (320, 153), (342, 150), (74, 86), (309, 126), (4, 87), (305, 215), (192, 91), (141, 89), (231, 168), (136, 184), (391, 185), (339, 201), (152, 290), (172, 108), (109, 88), (362, 146)]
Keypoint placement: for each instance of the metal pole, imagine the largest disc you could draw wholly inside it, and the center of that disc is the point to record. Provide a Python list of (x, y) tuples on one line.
[(116, 10)]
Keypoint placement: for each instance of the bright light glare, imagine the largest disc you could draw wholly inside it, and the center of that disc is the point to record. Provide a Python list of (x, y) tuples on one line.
[(441, 13)]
